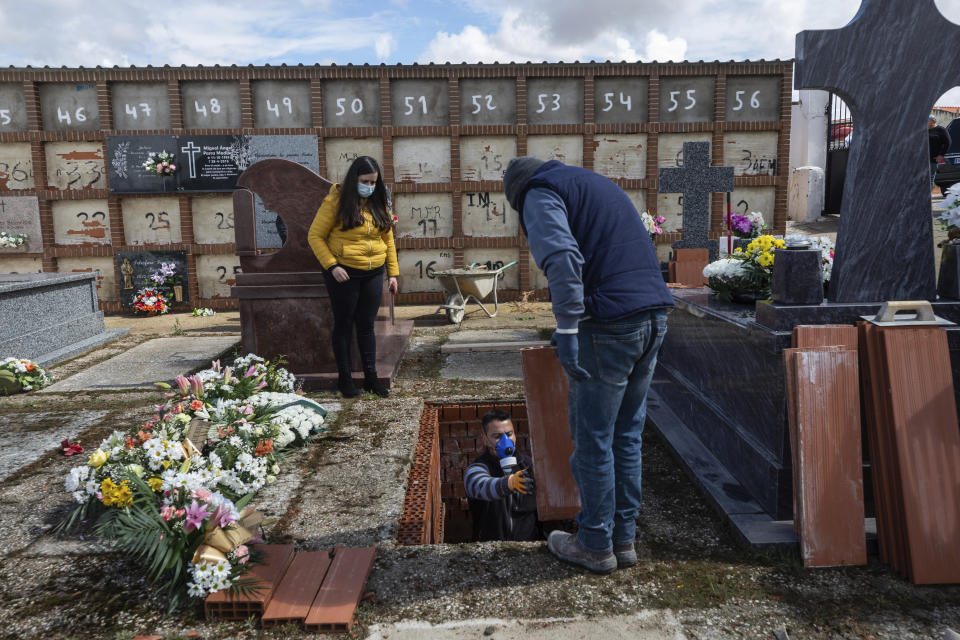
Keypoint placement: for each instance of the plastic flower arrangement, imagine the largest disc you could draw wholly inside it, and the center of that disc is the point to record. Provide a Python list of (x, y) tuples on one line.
[(950, 213), (827, 248), (167, 276), (19, 374), (652, 224), (201, 313), (750, 225), (160, 164), (12, 240), (169, 489), (149, 301), (747, 270)]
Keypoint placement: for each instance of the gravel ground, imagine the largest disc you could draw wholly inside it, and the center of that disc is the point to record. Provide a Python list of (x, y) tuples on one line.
[(347, 488)]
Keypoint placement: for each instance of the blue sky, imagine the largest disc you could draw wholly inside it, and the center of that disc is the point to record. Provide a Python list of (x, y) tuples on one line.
[(109, 32)]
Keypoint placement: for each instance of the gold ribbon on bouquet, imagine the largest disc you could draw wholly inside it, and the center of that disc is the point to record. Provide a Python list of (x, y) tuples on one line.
[(219, 541)]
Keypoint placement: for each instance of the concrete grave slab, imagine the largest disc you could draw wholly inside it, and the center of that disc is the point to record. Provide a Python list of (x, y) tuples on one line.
[(16, 165), (494, 259), (351, 103), (420, 103), (620, 100), (211, 105), (566, 149), (492, 340), (486, 157), (762, 199), (13, 109), (418, 266), (158, 360), (212, 219), (68, 106), (423, 215), (106, 274), (421, 160), (140, 105), (554, 100), (216, 274), (283, 104), (81, 222), (10, 264), (488, 214), (21, 214), (151, 220), (341, 152), (621, 155), (494, 365), (639, 199), (750, 98), (751, 153), (27, 436), (75, 165), (488, 101), (686, 99)]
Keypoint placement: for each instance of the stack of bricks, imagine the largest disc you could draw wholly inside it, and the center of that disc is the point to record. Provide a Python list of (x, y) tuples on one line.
[(422, 501), (461, 442)]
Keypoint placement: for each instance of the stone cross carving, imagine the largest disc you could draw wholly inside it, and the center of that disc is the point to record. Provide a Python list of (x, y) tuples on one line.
[(889, 64), (696, 180)]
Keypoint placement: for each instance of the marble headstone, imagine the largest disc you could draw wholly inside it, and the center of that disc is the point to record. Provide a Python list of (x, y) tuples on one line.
[(889, 64), (21, 214), (696, 180), (144, 264)]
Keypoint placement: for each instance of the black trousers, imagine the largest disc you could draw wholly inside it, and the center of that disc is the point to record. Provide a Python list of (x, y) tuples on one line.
[(355, 304)]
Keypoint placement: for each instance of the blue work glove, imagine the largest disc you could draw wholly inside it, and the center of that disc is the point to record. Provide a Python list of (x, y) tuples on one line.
[(568, 353)]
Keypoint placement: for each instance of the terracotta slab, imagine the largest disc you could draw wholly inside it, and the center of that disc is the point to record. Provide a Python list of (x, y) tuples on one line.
[(830, 488), (924, 421), (333, 608), (293, 596), (687, 266), (226, 604), (545, 387), (823, 335)]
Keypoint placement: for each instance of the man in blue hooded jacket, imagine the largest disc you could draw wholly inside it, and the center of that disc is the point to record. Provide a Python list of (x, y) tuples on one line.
[(610, 303)]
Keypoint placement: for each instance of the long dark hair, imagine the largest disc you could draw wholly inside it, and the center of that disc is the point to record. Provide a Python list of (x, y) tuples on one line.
[(348, 212)]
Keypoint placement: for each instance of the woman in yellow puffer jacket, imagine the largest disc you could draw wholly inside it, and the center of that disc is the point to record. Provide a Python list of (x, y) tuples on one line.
[(352, 237)]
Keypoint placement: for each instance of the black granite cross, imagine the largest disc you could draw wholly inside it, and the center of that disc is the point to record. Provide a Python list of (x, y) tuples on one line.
[(696, 180), (889, 64)]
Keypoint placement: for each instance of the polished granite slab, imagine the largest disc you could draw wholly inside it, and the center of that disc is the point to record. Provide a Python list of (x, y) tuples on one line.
[(720, 373)]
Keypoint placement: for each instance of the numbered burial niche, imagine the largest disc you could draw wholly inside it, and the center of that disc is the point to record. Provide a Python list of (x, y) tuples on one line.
[(140, 105), (417, 267), (420, 103), (69, 106), (555, 101), (488, 214), (751, 153), (20, 264), (687, 99), (351, 103), (211, 105), (566, 149), (421, 160), (753, 98), (16, 166), (620, 155), (75, 165), (81, 222), (151, 220), (13, 110), (762, 199), (488, 102), (283, 104), (216, 274), (21, 215), (621, 100), (133, 271), (494, 259), (106, 276), (341, 152), (423, 215), (485, 157), (212, 219)]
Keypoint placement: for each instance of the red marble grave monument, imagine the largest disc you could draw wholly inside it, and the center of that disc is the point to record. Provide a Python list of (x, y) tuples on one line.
[(284, 304)]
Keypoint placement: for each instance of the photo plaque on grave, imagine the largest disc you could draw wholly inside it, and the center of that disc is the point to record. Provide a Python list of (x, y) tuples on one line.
[(21, 214), (134, 269)]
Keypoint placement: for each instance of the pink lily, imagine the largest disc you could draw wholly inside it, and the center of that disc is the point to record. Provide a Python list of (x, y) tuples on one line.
[(260, 386), (250, 372), (222, 516), (183, 384), (196, 514)]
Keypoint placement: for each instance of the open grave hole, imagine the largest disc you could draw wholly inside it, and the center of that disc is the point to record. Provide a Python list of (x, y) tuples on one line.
[(435, 508)]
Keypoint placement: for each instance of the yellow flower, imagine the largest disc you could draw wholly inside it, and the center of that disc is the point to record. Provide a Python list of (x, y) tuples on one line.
[(155, 483), (738, 250), (135, 469), (98, 458), (765, 259), (780, 243), (166, 463), (114, 495)]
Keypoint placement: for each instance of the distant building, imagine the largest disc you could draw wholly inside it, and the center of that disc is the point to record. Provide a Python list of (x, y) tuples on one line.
[(945, 115)]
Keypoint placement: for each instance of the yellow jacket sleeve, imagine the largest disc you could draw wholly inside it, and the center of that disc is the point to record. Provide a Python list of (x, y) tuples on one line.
[(393, 268), (322, 225)]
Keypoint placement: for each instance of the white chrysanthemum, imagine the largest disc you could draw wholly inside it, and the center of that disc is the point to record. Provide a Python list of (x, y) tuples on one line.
[(76, 477), (725, 269)]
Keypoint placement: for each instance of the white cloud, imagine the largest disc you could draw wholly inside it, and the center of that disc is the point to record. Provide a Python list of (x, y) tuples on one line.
[(661, 48), (384, 45)]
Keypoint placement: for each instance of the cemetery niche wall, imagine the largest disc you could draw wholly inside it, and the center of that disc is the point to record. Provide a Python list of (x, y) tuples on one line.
[(74, 142)]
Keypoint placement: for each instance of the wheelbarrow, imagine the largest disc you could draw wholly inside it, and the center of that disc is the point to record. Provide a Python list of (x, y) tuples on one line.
[(475, 282)]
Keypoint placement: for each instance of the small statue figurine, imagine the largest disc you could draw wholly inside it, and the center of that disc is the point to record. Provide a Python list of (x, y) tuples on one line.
[(126, 270)]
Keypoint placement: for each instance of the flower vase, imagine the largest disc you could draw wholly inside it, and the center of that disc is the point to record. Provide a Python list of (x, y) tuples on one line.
[(178, 293)]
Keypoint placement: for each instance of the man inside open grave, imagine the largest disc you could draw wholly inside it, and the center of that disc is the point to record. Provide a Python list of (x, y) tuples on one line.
[(500, 485)]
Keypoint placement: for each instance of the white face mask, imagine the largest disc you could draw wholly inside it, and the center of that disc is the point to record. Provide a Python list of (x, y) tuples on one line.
[(365, 190)]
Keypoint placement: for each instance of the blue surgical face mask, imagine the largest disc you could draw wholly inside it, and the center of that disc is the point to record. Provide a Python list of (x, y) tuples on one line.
[(365, 190)]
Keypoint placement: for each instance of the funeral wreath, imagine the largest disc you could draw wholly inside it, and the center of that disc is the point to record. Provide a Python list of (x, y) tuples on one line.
[(18, 374)]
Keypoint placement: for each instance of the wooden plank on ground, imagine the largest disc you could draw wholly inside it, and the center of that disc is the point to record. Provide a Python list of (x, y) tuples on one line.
[(545, 387), (293, 596), (832, 528), (336, 602), (226, 604), (924, 420)]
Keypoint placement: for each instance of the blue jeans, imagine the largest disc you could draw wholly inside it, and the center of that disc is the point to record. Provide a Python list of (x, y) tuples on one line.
[(607, 413)]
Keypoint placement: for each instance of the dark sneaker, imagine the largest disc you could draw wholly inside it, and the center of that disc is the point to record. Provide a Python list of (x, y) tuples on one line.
[(566, 547), (626, 555)]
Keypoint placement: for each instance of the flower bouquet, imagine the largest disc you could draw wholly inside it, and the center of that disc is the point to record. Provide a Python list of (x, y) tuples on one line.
[(18, 374), (950, 214), (750, 225), (826, 247), (160, 164), (150, 302), (652, 224), (202, 313), (175, 490), (12, 240), (747, 272)]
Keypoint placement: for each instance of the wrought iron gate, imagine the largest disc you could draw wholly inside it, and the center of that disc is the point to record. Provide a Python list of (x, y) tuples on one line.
[(839, 133)]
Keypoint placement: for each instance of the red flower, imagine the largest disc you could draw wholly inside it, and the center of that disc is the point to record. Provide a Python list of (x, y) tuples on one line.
[(196, 405), (70, 448), (264, 447)]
